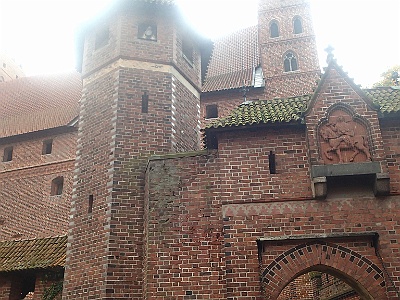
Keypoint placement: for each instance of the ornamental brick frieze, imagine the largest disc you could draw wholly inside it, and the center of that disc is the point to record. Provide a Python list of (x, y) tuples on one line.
[(343, 139)]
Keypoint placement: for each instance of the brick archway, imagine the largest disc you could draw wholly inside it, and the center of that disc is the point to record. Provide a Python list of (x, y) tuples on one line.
[(365, 277)]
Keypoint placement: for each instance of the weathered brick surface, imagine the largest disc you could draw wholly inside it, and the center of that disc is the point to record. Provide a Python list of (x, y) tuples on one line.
[(391, 141), (338, 94), (235, 186), (186, 226), (273, 50), (27, 208), (5, 287), (115, 139)]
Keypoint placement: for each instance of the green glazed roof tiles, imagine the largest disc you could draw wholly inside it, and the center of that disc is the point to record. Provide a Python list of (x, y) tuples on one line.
[(290, 109), (387, 98), (32, 254), (266, 111)]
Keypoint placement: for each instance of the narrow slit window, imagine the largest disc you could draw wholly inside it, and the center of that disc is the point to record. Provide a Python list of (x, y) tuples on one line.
[(145, 103), (57, 186), (47, 147), (90, 204), (8, 154), (272, 162)]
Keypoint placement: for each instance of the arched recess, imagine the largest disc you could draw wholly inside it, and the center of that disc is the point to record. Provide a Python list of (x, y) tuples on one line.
[(290, 61), (274, 29), (297, 25), (359, 272)]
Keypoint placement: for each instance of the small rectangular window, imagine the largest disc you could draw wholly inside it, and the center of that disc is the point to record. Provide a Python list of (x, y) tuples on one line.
[(211, 111), (57, 186), (102, 37), (8, 154), (187, 50), (47, 147)]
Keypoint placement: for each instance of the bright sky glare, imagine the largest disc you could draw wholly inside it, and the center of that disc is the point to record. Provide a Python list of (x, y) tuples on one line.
[(39, 34)]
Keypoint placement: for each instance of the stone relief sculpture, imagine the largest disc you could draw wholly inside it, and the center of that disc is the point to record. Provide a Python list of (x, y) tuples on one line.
[(340, 137)]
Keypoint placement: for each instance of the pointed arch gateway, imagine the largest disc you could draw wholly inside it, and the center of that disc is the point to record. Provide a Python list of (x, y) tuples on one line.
[(360, 273)]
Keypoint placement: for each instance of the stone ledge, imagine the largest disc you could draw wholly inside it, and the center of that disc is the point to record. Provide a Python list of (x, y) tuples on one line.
[(346, 169), (351, 235)]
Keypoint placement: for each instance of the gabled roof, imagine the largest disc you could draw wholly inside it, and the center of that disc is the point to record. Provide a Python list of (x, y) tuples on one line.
[(291, 109), (37, 103), (33, 254), (233, 60), (333, 65)]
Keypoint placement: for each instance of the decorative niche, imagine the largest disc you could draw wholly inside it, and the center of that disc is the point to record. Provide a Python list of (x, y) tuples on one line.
[(344, 137), (346, 155), (147, 31)]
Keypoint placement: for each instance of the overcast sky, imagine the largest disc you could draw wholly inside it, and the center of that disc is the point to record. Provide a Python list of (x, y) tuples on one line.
[(39, 34)]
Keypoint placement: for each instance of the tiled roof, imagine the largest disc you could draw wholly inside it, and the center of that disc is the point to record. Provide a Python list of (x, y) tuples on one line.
[(291, 109), (387, 98), (32, 254), (264, 111), (233, 59), (36, 103)]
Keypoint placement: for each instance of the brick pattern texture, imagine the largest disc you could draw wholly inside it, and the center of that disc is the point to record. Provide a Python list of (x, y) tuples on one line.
[(28, 210), (337, 94), (391, 141), (279, 83), (205, 214), (114, 141)]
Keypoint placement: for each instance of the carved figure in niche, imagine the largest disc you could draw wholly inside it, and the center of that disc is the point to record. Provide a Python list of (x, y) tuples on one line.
[(147, 32), (341, 135)]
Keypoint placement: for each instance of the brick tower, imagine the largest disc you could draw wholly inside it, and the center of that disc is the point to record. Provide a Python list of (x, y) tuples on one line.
[(141, 71), (287, 45)]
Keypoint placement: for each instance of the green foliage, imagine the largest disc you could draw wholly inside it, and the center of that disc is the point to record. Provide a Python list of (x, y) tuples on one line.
[(387, 77), (55, 289)]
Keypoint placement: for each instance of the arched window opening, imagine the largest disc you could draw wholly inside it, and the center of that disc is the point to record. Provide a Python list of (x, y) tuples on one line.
[(297, 25), (290, 62), (57, 186), (274, 29)]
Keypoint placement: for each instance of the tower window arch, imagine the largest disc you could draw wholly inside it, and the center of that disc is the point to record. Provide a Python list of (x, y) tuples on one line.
[(297, 25), (290, 62), (274, 29)]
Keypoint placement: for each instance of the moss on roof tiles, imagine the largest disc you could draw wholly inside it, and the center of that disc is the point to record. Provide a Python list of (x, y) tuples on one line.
[(266, 111), (290, 109), (33, 254), (387, 98)]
